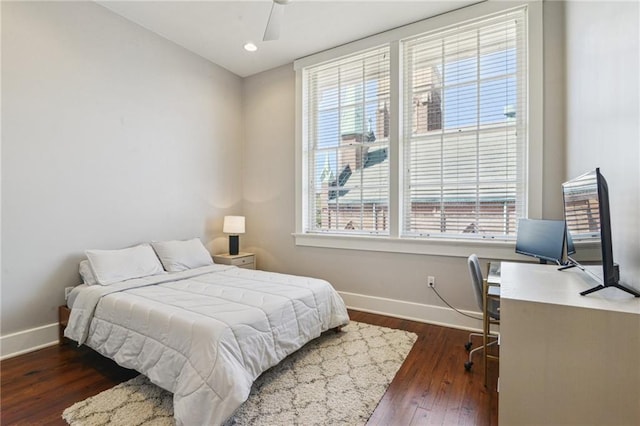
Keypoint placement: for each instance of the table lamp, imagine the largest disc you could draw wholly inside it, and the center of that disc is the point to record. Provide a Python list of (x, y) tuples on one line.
[(233, 225)]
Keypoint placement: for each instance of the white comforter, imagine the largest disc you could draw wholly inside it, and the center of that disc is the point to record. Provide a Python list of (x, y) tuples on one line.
[(205, 334)]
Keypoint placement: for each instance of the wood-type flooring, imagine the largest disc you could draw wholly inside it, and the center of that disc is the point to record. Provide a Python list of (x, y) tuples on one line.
[(431, 387)]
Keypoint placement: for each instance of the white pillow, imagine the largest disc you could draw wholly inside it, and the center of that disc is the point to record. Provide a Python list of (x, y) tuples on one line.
[(86, 273), (182, 255), (110, 266)]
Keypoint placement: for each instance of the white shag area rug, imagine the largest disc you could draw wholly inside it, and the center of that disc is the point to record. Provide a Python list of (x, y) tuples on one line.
[(338, 378)]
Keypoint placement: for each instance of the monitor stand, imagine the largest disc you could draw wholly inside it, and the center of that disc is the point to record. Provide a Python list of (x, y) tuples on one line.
[(620, 286), (572, 263), (567, 266)]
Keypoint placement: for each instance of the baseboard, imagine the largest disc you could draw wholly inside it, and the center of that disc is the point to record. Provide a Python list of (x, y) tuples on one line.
[(30, 340), (412, 311)]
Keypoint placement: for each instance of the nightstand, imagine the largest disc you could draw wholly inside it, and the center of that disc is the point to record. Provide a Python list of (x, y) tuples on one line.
[(63, 319), (241, 260)]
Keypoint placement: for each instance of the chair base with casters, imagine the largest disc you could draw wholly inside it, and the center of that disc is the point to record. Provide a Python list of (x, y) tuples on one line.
[(469, 344), (489, 302)]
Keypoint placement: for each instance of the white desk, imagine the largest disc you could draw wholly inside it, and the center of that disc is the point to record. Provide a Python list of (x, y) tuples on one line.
[(566, 358)]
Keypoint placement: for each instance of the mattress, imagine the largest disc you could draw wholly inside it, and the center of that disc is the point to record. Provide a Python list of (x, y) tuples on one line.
[(205, 334)]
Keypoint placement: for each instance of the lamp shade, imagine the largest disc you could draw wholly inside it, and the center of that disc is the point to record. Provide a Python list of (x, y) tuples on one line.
[(233, 225)]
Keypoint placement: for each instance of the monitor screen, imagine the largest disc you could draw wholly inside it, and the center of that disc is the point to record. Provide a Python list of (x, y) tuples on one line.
[(542, 239), (588, 217), (571, 248), (582, 206), (586, 211)]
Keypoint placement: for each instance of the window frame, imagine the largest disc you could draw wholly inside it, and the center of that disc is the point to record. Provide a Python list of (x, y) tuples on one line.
[(457, 139), (394, 242), (339, 78)]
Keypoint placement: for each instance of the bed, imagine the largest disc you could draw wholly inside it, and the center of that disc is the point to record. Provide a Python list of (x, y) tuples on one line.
[(204, 333)]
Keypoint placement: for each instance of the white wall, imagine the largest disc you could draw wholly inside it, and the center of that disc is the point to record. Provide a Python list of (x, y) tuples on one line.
[(111, 136), (603, 115), (554, 155), (365, 276)]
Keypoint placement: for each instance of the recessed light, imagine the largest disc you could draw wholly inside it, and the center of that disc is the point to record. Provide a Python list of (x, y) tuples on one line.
[(250, 47)]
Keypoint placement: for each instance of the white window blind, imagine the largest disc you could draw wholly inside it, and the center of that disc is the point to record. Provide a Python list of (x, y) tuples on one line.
[(347, 144), (464, 129)]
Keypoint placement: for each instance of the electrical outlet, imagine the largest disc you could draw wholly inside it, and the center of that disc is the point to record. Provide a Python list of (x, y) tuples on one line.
[(431, 281), (67, 290)]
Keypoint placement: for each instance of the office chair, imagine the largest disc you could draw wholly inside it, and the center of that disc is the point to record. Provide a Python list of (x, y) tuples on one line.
[(492, 310)]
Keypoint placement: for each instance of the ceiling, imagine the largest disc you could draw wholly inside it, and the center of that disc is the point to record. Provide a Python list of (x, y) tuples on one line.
[(218, 30)]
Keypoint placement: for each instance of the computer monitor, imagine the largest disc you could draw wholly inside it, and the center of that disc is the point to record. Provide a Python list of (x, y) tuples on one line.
[(542, 239), (587, 214), (571, 248)]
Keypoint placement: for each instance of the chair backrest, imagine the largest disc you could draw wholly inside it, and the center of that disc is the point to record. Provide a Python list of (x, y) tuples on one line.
[(476, 278)]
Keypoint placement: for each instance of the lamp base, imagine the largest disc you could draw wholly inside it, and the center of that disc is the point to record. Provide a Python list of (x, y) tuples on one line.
[(234, 244)]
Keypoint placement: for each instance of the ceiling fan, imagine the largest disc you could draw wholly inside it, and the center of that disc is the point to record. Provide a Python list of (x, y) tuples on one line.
[(272, 31)]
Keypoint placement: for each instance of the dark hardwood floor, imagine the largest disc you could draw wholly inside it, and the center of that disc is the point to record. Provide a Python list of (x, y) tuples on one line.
[(430, 388)]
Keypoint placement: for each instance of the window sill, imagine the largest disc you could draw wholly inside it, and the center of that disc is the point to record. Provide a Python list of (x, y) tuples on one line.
[(487, 249), (588, 251)]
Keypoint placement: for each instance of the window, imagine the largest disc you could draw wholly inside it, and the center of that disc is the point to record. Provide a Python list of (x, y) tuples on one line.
[(348, 144), (429, 132), (464, 130)]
